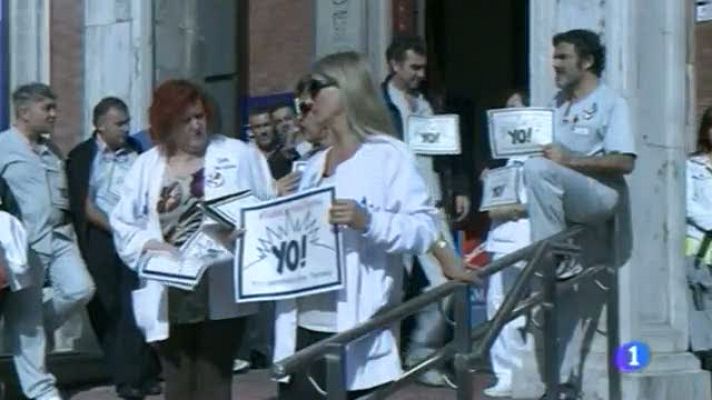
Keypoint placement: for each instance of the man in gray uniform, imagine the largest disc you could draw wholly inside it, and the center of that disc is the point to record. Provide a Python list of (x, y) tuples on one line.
[(34, 170), (580, 179)]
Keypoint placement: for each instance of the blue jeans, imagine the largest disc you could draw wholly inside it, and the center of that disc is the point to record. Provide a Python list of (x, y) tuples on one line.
[(27, 317)]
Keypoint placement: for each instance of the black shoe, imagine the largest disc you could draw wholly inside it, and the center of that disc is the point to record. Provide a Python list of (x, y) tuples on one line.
[(568, 269), (153, 389), (566, 392), (130, 393)]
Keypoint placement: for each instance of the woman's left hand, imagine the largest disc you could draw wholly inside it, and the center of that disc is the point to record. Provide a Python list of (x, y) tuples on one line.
[(349, 213), (223, 235)]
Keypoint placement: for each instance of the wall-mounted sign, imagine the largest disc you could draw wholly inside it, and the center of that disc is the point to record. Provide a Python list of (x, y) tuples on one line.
[(704, 10)]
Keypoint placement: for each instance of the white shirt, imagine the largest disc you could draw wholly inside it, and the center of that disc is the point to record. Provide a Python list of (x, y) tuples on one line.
[(420, 107), (597, 124), (382, 176), (107, 175)]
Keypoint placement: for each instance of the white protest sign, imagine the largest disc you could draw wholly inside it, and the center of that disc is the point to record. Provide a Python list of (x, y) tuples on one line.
[(289, 249), (500, 188), (437, 134), (520, 131)]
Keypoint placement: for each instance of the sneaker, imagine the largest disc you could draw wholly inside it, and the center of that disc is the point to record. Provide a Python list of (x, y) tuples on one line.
[(501, 389), (568, 269), (433, 377), (240, 365)]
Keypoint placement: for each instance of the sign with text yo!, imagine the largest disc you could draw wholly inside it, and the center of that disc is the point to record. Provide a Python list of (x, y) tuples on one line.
[(520, 131), (289, 249)]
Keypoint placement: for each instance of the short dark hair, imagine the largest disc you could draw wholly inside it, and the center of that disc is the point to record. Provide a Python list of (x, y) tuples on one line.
[(259, 110), (704, 144), (30, 93), (106, 104), (400, 45), (587, 44)]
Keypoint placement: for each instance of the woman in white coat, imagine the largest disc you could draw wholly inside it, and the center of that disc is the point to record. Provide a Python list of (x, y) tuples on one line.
[(383, 210), (699, 237), (197, 331)]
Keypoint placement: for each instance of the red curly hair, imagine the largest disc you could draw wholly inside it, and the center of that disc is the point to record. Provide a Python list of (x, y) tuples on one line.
[(170, 100)]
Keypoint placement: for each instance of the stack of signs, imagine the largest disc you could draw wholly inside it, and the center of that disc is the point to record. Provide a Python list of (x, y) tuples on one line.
[(520, 131), (183, 271), (203, 249), (290, 249), (225, 210), (500, 188), (433, 135)]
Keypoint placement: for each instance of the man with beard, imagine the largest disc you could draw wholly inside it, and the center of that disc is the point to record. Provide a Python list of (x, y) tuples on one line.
[(580, 180)]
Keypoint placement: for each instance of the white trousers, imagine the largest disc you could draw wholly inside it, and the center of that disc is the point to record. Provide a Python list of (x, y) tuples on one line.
[(507, 350)]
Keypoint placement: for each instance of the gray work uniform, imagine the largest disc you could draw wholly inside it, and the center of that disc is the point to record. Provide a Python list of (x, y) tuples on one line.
[(37, 179), (596, 125)]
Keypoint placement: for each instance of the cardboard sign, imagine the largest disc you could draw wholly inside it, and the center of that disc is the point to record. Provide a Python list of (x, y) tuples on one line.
[(433, 135), (289, 249), (520, 131), (501, 187)]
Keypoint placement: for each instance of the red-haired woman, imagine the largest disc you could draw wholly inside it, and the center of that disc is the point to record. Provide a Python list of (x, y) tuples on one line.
[(699, 237), (197, 331)]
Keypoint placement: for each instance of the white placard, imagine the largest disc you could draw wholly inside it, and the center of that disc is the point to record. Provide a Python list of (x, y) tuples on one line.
[(520, 131), (434, 135), (225, 210), (289, 249), (500, 188)]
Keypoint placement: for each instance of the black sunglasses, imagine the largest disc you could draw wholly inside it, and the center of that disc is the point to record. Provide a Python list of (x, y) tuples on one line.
[(303, 107)]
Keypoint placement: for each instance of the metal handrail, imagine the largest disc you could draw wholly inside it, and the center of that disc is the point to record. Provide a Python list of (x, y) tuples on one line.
[(460, 348), (385, 318)]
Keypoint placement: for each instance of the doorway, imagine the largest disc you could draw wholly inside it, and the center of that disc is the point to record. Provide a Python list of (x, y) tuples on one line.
[(478, 55)]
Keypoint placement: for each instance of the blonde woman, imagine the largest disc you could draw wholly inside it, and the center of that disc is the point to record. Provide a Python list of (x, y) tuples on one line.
[(383, 210)]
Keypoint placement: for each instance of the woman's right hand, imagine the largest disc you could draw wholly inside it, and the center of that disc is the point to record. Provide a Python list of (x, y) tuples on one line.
[(157, 245), (288, 184)]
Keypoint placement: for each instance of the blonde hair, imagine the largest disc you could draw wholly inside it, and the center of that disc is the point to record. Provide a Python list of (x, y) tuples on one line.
[(366, 110)]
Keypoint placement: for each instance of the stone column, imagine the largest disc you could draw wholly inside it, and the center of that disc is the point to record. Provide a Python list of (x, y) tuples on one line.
[(118, 56), (29, 42), (648, 52), (363, 26)]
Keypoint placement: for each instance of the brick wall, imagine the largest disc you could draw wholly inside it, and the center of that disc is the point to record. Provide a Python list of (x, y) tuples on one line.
[(281, 44), (66, 55)]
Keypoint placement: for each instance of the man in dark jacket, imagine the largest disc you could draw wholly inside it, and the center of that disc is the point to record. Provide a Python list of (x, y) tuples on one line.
[(407, 62), (96, 169)]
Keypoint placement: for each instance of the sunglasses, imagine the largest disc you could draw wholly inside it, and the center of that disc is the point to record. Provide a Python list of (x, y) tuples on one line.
[(303, 107)]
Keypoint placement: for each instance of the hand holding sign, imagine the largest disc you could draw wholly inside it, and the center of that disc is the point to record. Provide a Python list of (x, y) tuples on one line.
[(288, 184), (557, 154), (520, 131), (291, 248), (349, 213)]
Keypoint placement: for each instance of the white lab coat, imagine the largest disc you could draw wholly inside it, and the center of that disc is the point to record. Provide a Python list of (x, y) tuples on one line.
[(230, 166), (383, 176), (13, 250)]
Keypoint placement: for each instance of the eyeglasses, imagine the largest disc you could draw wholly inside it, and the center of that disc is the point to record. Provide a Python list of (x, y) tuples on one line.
[(319, 83)]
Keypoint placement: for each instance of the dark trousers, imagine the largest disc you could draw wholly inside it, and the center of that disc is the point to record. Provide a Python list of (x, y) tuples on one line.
[(300, 385), (131, 361), (197, 359)]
